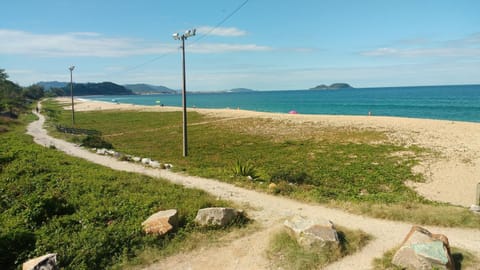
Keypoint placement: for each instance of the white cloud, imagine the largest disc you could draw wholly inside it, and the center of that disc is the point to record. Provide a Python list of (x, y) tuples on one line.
[(74, 44), (224, 47), (424, 52), (468, 46), (88, 44), (221, 31)]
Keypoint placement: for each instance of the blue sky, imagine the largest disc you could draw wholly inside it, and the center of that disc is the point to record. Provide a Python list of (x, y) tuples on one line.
[(266, 45)]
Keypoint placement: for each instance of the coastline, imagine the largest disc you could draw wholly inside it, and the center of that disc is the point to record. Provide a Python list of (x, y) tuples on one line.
[(451, 177)]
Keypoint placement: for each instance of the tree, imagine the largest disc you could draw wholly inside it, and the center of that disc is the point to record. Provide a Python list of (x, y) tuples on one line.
[(11, 98), (55, 92), (3, 75), (34, 92)]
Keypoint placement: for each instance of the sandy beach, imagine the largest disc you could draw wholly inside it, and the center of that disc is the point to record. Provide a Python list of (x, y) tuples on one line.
[(451, 174)]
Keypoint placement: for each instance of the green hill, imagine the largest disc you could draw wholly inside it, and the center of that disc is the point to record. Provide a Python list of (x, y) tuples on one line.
[(104, 88)]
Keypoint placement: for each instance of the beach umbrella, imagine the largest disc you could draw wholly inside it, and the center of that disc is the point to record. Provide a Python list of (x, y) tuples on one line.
[(292, 112)]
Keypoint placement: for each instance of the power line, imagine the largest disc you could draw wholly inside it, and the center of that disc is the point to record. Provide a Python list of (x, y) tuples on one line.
[(221, 22), (193, 42)]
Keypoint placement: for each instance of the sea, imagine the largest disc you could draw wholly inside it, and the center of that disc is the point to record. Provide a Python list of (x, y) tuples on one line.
[(452, 102)]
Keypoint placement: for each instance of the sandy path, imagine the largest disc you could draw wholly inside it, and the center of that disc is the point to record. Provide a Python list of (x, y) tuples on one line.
[(269, 211)]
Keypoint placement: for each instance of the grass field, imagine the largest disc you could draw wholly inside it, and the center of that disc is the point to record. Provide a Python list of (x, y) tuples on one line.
[(357, 170), (88, 214)]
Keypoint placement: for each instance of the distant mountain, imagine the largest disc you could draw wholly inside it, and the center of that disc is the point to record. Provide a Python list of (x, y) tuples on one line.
[(52, 84), (143, 89), (103, 88), (335, 86), (240, 90)]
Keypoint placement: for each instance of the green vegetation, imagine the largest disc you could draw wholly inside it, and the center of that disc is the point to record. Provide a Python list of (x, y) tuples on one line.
[(357, 170), (88, 214), (285, 252), (15, 99), (462, 259)]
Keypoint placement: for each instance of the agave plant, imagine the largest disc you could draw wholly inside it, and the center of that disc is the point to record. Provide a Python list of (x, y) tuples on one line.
[(244, 169)]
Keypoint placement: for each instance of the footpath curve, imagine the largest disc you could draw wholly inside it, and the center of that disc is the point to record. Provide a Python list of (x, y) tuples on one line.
[(269, 211)]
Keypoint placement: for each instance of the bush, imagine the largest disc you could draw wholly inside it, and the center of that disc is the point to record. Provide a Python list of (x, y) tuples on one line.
[(40, 210), (96, 142), (291, 176)]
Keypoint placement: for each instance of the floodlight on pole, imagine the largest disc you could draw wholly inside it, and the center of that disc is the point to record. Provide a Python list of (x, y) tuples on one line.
[(177, 36), (71, 93)]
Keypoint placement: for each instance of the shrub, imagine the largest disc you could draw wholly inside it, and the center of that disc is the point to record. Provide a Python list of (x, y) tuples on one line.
[(291, 176), (96, 142)]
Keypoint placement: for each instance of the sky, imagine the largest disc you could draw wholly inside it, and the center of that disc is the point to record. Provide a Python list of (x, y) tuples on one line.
[(257, 44)]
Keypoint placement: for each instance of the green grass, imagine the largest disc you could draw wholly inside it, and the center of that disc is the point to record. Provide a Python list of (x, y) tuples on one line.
[(285, 252), (462, 259), (88, 214), (357, 170)]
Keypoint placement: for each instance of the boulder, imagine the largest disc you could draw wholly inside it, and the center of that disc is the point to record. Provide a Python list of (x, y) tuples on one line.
[(110, 152), (216, 216), (423, 250), (168, 166), (136, 159), (161, 222), (101, 151), (475, 208), (45, 262), (146, 161), (310, 232)]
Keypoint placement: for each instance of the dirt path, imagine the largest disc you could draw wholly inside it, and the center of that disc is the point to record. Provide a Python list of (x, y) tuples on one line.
[(269, 211)]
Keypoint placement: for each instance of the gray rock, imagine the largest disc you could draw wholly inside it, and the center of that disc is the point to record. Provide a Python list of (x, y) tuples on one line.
[(475, 208), (136, 159), (423, 250), (101, 151), (154, 164), (146, 161), (161, 222), (309, 232), (216, 216), (110, 152), (168, 166), (45, 262)]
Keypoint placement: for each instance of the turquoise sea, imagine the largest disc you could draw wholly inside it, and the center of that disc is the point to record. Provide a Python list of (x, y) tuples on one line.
[(458, 103)]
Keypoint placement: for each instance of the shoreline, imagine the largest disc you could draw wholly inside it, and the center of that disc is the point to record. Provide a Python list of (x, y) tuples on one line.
[(452, 177)]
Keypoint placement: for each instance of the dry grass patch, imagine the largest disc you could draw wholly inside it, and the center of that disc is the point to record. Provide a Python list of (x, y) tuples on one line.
[(281, 130), (285, 253), (462, 259)]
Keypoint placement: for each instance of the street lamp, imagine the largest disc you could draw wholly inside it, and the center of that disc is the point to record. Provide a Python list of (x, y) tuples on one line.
[(177, 36), (71, 93)]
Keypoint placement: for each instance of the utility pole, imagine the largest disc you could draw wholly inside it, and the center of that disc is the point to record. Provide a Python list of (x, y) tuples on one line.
[(176, 36), (71, 94)]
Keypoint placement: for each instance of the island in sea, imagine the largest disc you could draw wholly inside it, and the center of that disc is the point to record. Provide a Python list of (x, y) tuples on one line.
[(335, 86), (240, 90)]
